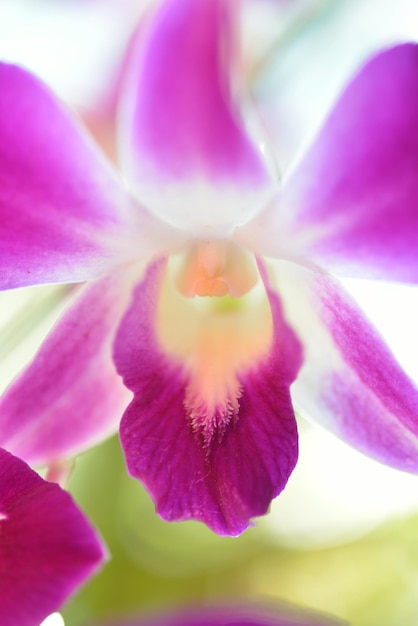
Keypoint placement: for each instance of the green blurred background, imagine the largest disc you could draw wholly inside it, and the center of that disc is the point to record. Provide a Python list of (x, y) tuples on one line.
[(372, 581)]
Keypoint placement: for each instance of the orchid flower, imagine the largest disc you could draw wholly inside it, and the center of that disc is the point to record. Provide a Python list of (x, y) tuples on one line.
[(237, 615), (48, 548), (207, 285)]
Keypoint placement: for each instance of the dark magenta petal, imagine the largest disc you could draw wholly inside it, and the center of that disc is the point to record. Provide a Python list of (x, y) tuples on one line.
[(63, 213), (47, 547), (238, 615), (70, 397), (350, 381), (247, 461), (183, 137), (352, 203)]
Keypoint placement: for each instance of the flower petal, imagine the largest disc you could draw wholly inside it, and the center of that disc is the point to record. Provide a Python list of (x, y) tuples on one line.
[(352, 203), (350, 382), (184, 144), (64, 216), (238, 615), (47, 548), (225, 479), (70, 396)]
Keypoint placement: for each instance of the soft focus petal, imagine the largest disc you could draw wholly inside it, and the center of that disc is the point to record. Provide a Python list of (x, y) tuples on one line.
[(352, 203), (350, 382), (184, 144), (47, 547), (70, 396), (238, 615), (63, 214), (223, 473)]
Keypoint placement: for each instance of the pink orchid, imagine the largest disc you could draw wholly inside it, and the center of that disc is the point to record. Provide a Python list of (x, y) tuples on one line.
[(48, 549), (210, 430)]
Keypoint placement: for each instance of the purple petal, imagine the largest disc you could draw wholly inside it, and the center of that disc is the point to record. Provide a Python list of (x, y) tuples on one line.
[(47, 549), (238, 615), (352, 203), (350, 382), (182, 129), (223, 478), (63, 213), (70, 396)]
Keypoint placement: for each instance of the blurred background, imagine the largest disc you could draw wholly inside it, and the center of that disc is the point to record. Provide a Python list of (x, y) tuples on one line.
[(343, 538)]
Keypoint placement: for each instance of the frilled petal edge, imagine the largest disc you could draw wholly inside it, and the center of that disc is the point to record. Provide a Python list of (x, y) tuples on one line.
[(350, 382), (70, 397), (47, 549), (209, 444)]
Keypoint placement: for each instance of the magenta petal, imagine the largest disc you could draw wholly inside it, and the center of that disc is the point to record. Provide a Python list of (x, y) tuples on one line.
[(180, 123), (353, 200), (47, 546), (350, 382), (238, 615), (233, 479), (63, 213), (70, 396)]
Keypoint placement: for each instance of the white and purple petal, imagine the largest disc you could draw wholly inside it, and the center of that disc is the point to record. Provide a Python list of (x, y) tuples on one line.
[(350, 382), (64, 214), (219, 465), (47, 549), (70, 397), (185, 148), (351, 204)]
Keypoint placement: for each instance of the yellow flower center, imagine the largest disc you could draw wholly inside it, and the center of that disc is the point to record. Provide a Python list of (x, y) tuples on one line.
[(214, 338)]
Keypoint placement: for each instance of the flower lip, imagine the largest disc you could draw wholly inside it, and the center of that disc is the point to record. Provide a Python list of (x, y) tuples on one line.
[(217, 467)]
